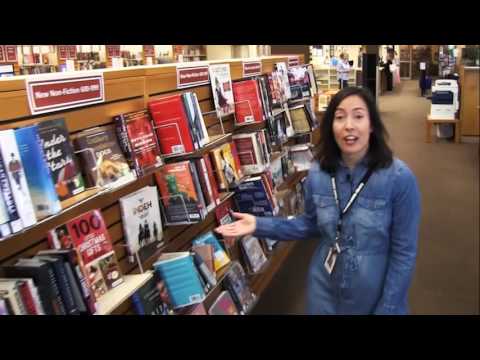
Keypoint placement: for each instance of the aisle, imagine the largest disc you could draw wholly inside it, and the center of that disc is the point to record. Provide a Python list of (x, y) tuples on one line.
[(446, 280)]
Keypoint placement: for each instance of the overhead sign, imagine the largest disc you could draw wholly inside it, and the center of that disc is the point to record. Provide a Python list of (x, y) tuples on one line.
[(60, 92)]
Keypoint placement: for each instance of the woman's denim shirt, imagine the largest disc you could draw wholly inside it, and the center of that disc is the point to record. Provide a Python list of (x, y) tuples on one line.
[(378, 246)]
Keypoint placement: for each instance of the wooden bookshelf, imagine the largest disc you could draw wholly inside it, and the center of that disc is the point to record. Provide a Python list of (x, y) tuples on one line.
[(126, 90)]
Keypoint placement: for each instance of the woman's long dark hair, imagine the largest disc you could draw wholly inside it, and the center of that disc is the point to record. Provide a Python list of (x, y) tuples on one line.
[(379, 153)]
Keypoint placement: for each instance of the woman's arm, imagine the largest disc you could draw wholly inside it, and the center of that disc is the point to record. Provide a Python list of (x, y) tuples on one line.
[(403, 244)]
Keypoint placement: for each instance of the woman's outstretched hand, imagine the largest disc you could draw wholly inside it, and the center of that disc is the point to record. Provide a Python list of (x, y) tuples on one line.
[(245, 225)]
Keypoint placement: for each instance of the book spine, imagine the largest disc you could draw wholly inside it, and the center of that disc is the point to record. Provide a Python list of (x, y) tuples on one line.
[(205, 183), (76, 292), (198, 189), (211, 178), (64, 287), (27, 299), (36, 297), (200, 120), (56, 298), (191, 119)]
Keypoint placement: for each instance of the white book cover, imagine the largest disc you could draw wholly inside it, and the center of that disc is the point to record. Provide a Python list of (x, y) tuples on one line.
[(142, 222), (16, 176), (202, 120), (253, 250), (221, 82), (283, 72)]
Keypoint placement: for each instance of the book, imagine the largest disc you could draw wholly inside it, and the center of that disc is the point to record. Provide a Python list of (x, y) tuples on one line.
[(276, 169), (138, 141), (223, 212), (223, 305), (171, 124), (178, 193), (249, 153), (148, 301), (196, 309), (211, 178), (16, 176), (205, 185), (11, 221), (299, 81), (37, 172), (3, 306), (253, 253), (142, 224), (88, 235), (29, 295), (248, 105), (265, 96), (282, 76), (196, 122), (61, 159), (312, 80), (236, 283), (206, 252), (9, 289), (222, 91), (220, 257), (181, 278), (227, 167), (252, 196), (205, 272), (101, 157), (301, 156)]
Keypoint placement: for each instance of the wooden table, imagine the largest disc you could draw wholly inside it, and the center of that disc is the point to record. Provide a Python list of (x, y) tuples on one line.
[(429, 121)]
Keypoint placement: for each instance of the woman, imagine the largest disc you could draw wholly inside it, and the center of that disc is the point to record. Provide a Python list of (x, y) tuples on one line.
[(343, 71), (364, 263)]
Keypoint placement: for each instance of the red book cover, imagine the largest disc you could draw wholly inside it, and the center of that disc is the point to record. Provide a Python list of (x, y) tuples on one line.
[(211, 177), (222, 212), (248, 106), (172, 125), (205, 184), (234, 151), (27, 298), (89, 236), (145, 152), (246, 150)]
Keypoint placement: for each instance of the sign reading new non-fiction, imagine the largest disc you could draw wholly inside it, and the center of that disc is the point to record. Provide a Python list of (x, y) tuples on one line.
[(293, 61), (60, 92), (252, 68), (113, 50), (148, 51), (192, 76)]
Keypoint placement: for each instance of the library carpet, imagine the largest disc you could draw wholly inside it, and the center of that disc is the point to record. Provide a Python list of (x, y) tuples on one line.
[(446, 279)]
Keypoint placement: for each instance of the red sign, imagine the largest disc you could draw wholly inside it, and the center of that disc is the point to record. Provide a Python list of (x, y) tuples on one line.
[(2, 54), (293, 61), (192, 76), (113, 50), (252, 68), (64, 93), (11, 53), (72, 52), (62, 52), (148, 51)]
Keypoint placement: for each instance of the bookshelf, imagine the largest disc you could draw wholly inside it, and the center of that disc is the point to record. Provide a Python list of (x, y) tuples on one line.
[(126, 90), (327, 78)]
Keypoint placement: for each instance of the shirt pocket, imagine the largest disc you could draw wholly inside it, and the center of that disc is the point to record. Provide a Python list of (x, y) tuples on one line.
[(370, 224), (326, 209)]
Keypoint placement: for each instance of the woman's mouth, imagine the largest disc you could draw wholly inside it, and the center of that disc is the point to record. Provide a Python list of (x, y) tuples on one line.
[(350, 139)]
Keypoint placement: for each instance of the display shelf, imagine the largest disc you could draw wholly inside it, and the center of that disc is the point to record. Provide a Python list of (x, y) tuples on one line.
[(215, 140), (118, 295)]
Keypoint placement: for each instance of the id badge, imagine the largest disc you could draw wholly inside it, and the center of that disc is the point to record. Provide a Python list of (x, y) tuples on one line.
[(330, 260)]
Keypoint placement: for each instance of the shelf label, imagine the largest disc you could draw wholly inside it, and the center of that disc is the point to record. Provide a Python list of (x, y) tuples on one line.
[(293, 61), (60, 91), (188, 76), (2, 54), (10, 53), (252, 68)]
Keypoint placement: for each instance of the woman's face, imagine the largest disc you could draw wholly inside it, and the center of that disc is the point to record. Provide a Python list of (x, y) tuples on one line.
[(351, 126)]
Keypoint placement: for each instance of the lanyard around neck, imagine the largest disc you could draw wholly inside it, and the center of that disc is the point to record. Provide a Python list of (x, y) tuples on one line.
[(352, 199)]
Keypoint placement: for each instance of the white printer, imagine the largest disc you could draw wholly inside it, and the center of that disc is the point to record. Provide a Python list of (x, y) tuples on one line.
[(444, 99)]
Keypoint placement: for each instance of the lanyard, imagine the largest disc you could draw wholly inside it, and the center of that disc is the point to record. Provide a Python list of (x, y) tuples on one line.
[(352, 199)]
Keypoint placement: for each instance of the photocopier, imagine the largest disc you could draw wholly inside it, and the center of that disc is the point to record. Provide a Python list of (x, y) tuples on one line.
[(444, 99), (444, 105)]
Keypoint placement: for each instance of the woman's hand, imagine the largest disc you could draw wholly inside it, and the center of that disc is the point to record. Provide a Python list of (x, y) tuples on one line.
[(245, 225)]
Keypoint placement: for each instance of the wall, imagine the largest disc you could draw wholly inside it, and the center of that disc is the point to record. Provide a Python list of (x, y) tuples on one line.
[(218, 52), (292, 49)]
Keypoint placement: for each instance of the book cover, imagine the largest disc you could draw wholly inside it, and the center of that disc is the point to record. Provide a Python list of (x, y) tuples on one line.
[(206, 252), (282, 72), (88, 235), (276, 169), (181, 278), (220, 257), (249, 153), (178, 195), (142, 224), (171, 124), (3, 307), (312, 80), (148, 301), (9, 289), (197, 122), (39, 179), (16, 176), (196, 309), (55, 141), (205, 185), (299, 81), (265, 95), (252, 197), (248, 105), (237, 284), (253, 252), (101, 157), (301, 156), (223, 212), (223, 305), (221, 82), (226, 168), (9, 218), (211, 178), (198, 189), (144, 151)]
